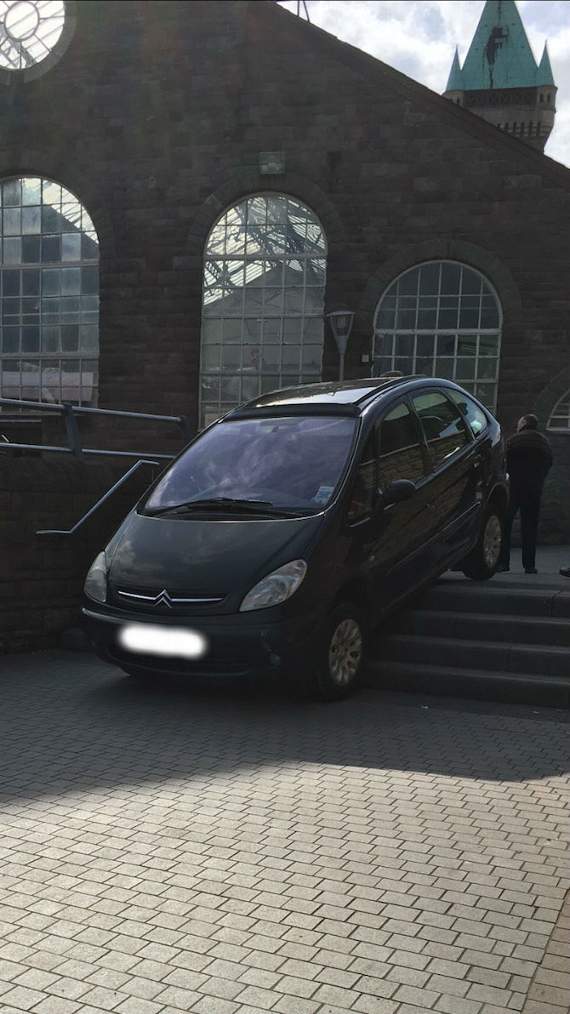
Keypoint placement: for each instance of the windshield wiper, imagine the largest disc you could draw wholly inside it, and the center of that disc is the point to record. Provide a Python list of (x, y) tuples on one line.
[(227, 503)]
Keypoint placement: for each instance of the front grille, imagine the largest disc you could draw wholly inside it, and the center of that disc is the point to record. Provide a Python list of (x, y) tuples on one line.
[(162, 601)]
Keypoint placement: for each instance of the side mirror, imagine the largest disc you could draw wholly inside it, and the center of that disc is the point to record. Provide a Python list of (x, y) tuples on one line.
[(398, 491)]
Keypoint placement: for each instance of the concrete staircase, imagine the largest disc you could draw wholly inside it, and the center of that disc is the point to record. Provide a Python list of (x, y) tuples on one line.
[(504, 639)]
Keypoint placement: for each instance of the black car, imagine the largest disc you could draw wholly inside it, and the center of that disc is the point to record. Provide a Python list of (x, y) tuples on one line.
[(287, 529)]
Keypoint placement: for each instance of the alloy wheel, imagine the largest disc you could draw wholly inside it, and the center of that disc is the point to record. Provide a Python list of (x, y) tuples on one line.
[(492, 541), (345, 652)]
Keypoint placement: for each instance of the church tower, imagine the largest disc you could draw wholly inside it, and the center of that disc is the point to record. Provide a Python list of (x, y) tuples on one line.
[(500, 79)]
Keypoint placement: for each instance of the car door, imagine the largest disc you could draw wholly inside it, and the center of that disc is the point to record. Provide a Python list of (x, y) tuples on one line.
[(454, 481), (404, 555), (388, 542)]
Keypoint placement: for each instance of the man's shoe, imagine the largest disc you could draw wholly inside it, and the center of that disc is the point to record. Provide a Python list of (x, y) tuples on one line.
[(502, 568), (530, 570), (565, 571)]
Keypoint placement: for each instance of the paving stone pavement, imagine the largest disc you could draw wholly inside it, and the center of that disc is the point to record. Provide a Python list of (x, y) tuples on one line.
[(206, 852)]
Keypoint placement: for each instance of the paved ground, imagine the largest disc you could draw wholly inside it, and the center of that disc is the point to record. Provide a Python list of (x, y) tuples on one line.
[(186, 851)]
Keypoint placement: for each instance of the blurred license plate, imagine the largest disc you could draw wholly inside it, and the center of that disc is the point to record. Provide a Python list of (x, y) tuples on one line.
[(173, 642)]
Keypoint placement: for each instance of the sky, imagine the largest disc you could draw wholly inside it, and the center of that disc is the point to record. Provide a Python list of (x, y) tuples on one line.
[(419, 37)]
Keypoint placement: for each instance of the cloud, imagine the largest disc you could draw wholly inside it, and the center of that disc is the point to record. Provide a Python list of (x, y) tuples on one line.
[(418, 37)]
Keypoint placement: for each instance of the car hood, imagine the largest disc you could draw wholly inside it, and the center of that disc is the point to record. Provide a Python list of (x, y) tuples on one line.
[(197, 557)]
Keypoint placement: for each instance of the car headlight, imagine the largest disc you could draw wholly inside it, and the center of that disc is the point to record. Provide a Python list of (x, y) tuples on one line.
[(95, 586), (276, 587)]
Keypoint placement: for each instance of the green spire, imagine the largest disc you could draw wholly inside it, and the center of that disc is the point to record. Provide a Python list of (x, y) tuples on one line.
[(545, 75), (455, 81), (500, 55)]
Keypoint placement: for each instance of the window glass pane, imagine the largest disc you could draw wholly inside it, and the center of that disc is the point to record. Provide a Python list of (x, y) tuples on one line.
[(471, 282), (450, 279), (71, 247), (31, 220), (43, 224), (429, 279), (11, 283), (465, 368), (408, 283), (365, 484), (31, 246), (443, 425), (470, 410), (400, 449)]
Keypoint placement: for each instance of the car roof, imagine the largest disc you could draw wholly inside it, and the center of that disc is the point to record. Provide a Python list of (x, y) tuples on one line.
[(326, 396)]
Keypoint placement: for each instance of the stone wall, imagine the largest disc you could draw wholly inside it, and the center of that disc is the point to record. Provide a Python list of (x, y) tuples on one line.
[(156, 115), (41, 577)]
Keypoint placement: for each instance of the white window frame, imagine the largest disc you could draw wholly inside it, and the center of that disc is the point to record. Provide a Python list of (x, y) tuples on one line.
[(561, 411), (469, 384)]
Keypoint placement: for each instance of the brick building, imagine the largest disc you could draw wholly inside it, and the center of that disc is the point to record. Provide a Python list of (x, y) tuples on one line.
[(242, 173)]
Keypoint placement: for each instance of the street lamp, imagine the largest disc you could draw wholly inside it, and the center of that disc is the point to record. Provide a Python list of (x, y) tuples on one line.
[(341, 325)]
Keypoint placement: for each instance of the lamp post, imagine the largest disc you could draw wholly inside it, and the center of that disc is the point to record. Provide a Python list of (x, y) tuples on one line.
[(341, 322)]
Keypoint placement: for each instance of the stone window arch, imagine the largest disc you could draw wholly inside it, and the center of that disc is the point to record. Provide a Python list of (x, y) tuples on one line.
[(559, 420), (49, 277), (441, 318), (262, 302)]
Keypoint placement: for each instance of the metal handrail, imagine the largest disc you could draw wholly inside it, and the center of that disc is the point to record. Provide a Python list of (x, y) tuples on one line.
[(106, 496), (70, 412)]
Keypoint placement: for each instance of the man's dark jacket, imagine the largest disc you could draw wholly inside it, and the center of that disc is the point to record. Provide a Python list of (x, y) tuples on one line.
[(529, 460)]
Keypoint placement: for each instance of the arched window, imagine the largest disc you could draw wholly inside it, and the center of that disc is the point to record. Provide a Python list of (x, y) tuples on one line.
[(29, 31), (263, 301), (559, 421), (442, 319), (49, 332)]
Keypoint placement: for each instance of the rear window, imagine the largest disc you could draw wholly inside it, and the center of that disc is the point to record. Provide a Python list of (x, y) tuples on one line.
[(293, 462), (470, 411), (444, 427)]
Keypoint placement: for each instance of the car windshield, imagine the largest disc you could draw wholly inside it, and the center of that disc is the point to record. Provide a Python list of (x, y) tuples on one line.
[(290, 463)]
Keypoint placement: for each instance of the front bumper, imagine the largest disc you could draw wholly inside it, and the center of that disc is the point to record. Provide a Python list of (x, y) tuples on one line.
[(237, 645)]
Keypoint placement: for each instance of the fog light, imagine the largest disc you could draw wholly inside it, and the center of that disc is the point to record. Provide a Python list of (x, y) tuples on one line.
[(173, 642)]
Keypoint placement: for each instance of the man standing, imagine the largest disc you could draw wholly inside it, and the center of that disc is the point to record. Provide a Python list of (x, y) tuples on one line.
[(529, 459)]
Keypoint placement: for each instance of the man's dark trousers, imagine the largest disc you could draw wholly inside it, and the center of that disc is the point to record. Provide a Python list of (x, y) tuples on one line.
[(527, 500)]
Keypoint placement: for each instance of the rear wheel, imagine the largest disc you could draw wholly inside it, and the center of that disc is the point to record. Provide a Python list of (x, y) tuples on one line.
[(341, 656), (482, 562)]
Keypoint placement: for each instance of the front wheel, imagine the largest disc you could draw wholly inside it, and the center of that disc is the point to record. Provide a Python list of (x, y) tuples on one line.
[(482, 561), (341, 655)]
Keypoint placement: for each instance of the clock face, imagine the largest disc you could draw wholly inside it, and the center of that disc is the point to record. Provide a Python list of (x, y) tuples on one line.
[(29, 30)]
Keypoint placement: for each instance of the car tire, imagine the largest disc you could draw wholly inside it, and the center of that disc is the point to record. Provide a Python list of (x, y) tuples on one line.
[(483, 560), (340, 658)]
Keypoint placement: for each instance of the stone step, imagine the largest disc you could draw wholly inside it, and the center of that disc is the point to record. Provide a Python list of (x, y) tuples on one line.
[(518, 630), (493, 656), (500, 598), (494, 685)]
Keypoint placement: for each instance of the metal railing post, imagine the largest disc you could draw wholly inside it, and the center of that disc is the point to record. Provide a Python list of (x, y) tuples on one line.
[(72, 430)]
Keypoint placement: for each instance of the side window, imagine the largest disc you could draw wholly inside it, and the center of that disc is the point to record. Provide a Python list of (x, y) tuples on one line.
[(401, 455), (443, 425), (474, 415), (365, 483)]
